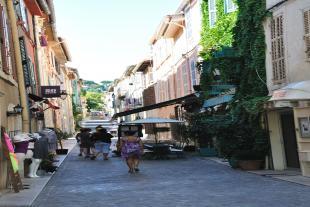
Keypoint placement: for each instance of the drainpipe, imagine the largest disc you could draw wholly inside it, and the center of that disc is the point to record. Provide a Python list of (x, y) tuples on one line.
[(19, 67)]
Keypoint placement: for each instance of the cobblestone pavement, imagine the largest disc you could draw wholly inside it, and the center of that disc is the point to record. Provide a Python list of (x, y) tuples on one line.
[(179, 182)]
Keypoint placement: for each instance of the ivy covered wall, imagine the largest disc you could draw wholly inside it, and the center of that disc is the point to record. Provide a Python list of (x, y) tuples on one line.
[(221, 35), (235, 46)]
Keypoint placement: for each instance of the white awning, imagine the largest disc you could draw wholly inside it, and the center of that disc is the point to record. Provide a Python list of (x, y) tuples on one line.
[(297, 91)]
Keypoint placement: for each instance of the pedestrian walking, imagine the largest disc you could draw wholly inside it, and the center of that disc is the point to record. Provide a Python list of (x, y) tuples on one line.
[(86, 143), (102, 142), (78, 140), (131, 150)]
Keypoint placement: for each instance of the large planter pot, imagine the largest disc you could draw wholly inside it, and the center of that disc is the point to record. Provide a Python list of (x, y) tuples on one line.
[(207, 152), (250, 164)]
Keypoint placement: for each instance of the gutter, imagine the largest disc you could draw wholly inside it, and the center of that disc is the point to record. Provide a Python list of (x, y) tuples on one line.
[(277, 4), (65, 48), (44, 6), (52, 18)]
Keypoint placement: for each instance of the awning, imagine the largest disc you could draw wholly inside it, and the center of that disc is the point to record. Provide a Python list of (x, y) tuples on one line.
[(34, 7), (39, 99), (53, 105), (217, 100), (153, 106), (292, 92), (36, 98)]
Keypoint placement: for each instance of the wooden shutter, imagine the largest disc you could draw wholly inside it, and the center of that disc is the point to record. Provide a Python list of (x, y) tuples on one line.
[(185, 78), (307, 32), (4, 54), (25, 64), (12, 52), (277, 50)]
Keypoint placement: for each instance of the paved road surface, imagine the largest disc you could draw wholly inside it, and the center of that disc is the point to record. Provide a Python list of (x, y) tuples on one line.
[(177, 183)]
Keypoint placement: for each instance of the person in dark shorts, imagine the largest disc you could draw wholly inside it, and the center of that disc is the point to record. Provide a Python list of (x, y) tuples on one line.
[(86, 143), (102, 141)]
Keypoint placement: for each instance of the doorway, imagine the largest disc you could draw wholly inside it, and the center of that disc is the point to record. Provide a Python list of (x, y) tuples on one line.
[(289, 140)]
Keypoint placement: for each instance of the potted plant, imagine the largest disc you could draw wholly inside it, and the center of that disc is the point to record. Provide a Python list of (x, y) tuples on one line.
[(244, 145), (60, 136)]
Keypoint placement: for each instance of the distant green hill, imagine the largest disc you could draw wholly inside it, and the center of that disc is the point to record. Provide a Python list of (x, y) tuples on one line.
[(91, 86)]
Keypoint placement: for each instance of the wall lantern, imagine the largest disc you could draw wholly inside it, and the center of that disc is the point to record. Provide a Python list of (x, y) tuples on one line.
[(14, 110)]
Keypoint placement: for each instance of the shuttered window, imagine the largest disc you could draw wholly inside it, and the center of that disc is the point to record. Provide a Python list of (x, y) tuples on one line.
[(193, 71), (24, 56), (185, 79), (307, 32), (277, 50), (229, 6), (5, 45), (212, 12), (178, 82)]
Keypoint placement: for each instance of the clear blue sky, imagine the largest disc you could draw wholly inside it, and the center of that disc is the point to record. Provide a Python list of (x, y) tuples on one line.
[(106, 36)]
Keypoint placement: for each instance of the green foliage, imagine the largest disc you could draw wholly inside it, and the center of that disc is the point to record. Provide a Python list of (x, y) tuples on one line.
[(94, 100), (220, 35), (91, 86), (77, 114), (61, 135), (239, 133)]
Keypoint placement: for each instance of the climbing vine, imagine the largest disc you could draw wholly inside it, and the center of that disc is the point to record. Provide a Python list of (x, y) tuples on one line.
[(220, 35), (242, 33)]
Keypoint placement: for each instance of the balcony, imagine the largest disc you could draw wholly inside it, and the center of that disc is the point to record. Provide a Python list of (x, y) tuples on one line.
[(221, 88), (226, 52)]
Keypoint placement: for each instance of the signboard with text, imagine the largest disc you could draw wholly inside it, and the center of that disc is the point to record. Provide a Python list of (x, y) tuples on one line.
[(50, 91)]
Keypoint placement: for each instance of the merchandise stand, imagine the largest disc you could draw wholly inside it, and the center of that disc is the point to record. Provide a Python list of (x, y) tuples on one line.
[(15, 179)]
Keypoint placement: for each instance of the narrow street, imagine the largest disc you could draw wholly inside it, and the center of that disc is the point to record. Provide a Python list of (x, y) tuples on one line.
[(193, 181)]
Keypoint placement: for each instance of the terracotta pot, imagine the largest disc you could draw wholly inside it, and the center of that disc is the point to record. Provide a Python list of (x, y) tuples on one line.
[(250, 164)]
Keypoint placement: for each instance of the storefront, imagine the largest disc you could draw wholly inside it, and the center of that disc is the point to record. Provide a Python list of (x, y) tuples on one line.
[(289, 126)]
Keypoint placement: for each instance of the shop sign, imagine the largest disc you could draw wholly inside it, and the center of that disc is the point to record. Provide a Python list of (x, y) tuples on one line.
[(50, 91)]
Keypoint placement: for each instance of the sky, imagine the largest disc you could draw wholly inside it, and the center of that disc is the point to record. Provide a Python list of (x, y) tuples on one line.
[(106, 36)]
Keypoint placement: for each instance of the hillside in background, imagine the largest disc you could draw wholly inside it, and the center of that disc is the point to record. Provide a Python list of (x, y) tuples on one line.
[(91, 86)]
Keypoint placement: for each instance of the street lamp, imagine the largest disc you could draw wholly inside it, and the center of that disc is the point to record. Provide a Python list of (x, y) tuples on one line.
[(15, 110)]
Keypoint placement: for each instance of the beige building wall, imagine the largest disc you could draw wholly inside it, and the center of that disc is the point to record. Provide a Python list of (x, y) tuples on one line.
[(297, 68), (9, 90), (303, 143)]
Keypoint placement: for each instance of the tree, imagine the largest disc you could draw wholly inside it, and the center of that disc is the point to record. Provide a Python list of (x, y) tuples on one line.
[(94, 100)]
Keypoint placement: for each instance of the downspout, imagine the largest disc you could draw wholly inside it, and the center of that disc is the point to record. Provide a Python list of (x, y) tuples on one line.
[(19, 67), (52, 18), (36, 53)]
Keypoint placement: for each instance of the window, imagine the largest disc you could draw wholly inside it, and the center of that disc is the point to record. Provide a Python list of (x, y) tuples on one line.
[(229, 6), (23, 14), (5, 43), (277, 49), (178, 82), (193, 71), (307, 32), (188, 21), (212, 12), (185, 78)]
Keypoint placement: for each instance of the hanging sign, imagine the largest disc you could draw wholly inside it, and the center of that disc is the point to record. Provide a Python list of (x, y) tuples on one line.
[(50, 91)]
